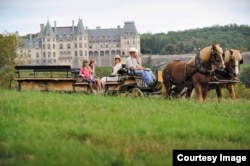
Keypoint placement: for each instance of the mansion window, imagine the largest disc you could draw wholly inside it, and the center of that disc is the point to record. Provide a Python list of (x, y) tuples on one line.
[(68, 45)]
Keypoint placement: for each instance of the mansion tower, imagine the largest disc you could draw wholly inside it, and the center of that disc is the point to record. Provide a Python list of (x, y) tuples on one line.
[(69, 45)]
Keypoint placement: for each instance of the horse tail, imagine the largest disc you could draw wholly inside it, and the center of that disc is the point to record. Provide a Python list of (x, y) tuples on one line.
[(168, 81)]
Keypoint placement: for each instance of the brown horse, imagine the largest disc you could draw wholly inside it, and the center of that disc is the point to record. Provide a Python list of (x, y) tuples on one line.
[(197, 73), (177, 76), (232, 59)]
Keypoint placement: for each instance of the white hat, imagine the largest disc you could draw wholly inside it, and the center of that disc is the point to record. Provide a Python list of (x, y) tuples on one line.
[(132, 49), (117, 57)]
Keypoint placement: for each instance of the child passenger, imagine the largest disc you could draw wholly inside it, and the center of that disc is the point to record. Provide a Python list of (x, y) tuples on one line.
[(86, 73), (92, 65)]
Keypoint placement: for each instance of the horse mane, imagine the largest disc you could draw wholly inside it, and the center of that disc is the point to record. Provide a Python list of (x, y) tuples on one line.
[(234, 54), (205, 53), (191, 61)]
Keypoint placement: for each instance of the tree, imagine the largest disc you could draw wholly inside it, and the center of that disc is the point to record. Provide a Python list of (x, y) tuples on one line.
[(245, 76), (146, 51), (169, 49), (8, 45), (229, 36)]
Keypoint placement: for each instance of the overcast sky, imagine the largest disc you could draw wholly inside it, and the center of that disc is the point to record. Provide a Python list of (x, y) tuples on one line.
[(154, 16)]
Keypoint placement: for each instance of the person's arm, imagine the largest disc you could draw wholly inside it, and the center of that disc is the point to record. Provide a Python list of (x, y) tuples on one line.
[(138, 59), (81, 73), (130, 65), (93, 69)]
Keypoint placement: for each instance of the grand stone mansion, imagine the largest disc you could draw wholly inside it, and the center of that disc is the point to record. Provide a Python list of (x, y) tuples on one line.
[(69, 45)]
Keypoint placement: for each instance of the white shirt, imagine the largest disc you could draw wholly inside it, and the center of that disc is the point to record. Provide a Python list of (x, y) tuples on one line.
[(116, 68), (132, 62)]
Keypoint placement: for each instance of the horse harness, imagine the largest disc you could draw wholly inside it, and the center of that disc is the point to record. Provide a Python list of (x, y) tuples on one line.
[(200, 66), (227, 72)]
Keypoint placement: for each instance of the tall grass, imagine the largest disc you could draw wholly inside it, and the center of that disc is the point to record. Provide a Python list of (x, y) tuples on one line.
[(75, 129)]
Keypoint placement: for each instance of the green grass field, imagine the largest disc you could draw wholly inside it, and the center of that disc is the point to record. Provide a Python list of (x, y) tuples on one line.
[(38, 128)]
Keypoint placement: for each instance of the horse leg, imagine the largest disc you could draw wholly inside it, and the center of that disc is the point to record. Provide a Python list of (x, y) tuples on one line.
[(204, 91), (189, 92), (197, 88), (177, 91), (230, 89), (218, 92)]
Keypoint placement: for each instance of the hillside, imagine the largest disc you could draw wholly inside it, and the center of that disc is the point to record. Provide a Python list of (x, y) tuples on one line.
[(189, 41)]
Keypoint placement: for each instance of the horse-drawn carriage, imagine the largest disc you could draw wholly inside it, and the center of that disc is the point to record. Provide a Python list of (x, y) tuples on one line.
[(210, 69), (132, 85)]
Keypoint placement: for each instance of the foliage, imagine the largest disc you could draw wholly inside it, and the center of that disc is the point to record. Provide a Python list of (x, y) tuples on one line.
[(103, 71), (245, 76), (8, 44), (169, 49), (77, 129), (189, 41)]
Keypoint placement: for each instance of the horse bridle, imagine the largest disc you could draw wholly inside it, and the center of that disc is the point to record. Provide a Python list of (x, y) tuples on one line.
[(228, 71), (216, 62)]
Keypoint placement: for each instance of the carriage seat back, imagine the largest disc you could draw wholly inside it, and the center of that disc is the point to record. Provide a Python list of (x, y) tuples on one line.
[(124, 70)]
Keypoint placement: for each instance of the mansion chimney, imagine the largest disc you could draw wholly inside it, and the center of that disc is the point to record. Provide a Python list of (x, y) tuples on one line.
[(41, 29), (30, 37), (55, 27), (73, 30)]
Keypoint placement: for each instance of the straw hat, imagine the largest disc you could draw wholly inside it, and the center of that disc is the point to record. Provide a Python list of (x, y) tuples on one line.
[(117, 57), (132, 49)]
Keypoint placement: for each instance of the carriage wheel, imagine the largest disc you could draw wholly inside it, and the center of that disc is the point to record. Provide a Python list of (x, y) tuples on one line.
[(134, 93)]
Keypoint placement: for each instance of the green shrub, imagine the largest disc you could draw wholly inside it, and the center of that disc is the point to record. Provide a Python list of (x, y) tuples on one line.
[(245, 76)]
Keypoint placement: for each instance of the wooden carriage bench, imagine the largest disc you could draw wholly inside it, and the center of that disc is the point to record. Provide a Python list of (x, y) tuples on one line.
[(44, 78)]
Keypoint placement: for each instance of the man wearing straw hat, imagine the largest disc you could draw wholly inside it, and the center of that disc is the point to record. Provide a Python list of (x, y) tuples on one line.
[(133, 63)]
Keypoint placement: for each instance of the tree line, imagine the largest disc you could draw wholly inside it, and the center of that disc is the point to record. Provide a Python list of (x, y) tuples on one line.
[(190, 41)]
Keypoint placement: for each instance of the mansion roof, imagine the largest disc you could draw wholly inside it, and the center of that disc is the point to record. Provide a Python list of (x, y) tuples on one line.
[(112, 34)]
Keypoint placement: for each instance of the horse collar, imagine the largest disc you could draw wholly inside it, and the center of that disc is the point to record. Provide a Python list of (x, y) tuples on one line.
[(200, 66)]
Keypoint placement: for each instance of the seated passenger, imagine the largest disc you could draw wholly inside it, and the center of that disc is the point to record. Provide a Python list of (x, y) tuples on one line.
[(92, 65), (85, 72), (134, 65), (117, 65)]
